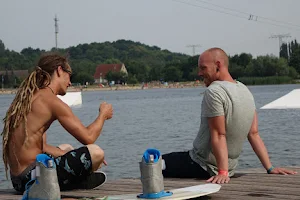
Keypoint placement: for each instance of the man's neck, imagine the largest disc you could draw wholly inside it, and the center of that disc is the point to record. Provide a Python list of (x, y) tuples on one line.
[(227, 77), (52, 88)]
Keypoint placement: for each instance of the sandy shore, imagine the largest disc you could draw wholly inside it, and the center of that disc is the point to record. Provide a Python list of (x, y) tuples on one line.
[(120, 87)]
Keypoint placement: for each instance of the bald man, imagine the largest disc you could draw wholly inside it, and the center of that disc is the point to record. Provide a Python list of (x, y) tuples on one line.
[(228, 118)]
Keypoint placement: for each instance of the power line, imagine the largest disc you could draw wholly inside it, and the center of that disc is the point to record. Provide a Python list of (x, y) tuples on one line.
[(246, 15), (207, 8), (193, 46), (249, 14)]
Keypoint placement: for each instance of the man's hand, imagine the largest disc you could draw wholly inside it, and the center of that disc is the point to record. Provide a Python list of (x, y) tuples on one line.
[(219, 179), (106, 110), (282, 171)]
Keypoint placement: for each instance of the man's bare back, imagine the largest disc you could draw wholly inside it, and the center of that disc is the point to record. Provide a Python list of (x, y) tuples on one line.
[(39, 119)]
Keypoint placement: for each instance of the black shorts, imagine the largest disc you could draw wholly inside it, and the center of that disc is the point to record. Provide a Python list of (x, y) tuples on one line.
[(180, 165), (72, 168)]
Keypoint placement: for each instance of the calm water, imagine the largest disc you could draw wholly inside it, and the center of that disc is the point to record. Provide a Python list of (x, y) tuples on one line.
[(168, 119)]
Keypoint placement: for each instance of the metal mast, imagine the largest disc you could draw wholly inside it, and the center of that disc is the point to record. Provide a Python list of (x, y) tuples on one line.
[(56, 30), (193, 46), (280, 36)]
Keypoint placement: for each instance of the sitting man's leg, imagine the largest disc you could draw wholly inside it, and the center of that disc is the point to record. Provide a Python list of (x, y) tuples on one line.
[(97, 156), (66, 147), (180, 165), (76, 166)]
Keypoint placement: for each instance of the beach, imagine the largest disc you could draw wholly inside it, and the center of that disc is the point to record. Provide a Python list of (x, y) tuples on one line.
[(100, 87)]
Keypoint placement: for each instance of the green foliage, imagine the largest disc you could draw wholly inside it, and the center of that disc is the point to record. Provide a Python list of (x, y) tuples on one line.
[(82, 77), (118, 77), (293, 73), (172, 73), (150, 63), (291, 52), (266, 80), (112, 61), (284, 51), (132, 79), (2, 48), (262, 66), (189, 69)]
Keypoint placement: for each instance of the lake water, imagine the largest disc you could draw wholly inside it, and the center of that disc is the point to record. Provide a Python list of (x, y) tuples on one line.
[(168, 119)]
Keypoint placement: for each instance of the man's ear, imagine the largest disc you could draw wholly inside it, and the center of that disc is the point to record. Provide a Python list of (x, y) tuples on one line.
[(59, 71), (218, 65)]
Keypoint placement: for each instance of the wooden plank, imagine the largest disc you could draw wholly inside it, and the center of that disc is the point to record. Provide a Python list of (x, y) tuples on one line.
[(249, 185)]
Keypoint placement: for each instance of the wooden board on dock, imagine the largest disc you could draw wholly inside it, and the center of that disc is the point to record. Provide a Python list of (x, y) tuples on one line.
[(176, 194), (252, 184)]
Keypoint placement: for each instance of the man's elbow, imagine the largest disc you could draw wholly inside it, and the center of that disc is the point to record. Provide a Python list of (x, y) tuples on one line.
[(218, 137), (88, 141), (253, 133)]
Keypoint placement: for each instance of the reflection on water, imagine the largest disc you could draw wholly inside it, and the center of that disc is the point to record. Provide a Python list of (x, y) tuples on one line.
[(168, 119)]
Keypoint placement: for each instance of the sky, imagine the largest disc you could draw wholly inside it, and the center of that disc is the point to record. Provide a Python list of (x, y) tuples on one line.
[(168, 24)]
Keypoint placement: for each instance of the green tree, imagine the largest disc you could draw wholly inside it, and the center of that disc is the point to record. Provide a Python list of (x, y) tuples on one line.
[(132, 79), (244, 59), (188, 68), (82, 78), (118, 77), (172, 73), (293, 73), (284, 51), (2, 48), (112, 61), (236, 70), (295, 59)]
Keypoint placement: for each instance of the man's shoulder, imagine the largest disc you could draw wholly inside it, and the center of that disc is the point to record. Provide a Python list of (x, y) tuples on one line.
[(215, 86), (47, 99), (225, 88), (226, 85), (214, 91)]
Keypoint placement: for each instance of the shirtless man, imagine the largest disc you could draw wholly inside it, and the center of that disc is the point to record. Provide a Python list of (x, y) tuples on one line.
[(31, 113)]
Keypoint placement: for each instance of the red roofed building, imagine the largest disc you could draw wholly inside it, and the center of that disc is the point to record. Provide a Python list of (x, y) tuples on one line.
[(103, 69)]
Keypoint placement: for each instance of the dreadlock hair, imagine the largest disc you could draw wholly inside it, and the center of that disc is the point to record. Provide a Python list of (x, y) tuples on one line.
[(17, 113)]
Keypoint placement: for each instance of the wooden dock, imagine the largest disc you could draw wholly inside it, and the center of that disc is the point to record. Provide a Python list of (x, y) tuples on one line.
[(245, 185)]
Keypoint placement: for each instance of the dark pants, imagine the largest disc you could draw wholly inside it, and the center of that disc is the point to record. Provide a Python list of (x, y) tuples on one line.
[(180, 165), (72, 168)]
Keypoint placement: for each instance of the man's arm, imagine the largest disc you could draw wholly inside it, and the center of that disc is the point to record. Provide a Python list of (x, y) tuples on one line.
[(54, 151), (261, 151), (219, 147), (85, 135)]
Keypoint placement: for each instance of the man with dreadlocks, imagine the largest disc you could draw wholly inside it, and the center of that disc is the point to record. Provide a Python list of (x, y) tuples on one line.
[(31, 113)]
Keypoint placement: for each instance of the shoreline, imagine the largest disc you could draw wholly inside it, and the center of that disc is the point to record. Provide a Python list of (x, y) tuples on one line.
[(8, 91), (120, 87)]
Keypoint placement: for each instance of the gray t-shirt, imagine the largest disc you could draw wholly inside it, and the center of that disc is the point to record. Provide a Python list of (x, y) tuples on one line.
[(236, 103)]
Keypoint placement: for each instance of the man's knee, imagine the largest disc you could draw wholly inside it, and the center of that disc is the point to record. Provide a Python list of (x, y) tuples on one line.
[(97, 155)]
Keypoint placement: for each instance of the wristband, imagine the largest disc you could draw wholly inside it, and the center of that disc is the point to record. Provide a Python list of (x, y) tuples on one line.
[(270, 169), (223, 172)]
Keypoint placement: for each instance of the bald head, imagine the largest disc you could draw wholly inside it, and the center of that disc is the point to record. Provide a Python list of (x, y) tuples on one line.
[(213, 66), (217, 54)]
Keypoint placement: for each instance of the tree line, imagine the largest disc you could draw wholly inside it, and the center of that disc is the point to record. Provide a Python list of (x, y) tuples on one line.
[(146, 63)]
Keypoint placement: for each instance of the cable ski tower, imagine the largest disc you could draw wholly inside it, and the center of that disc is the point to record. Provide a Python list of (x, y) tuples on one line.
[(56, 30), (194, 47), (280, 36)]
